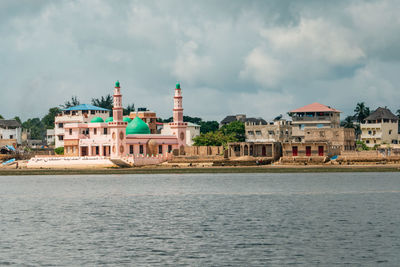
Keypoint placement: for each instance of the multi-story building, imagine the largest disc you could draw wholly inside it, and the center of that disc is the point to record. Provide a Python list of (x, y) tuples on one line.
[(342, 138), (258, 130), (147, 116), (313, 116), (381, 127), (232, 118), (79, 114), (10, 132)]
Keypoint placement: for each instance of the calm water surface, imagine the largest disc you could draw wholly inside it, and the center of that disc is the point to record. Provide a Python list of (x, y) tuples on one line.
[(201, 220)]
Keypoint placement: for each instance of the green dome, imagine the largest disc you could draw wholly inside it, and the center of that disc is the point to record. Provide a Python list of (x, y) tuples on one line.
[(127, 119), (97, 119), (109, 119), (178, 86), (137, 126), (117, 84)]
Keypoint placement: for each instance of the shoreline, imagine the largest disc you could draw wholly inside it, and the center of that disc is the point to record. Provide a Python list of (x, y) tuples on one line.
[(210, 170)]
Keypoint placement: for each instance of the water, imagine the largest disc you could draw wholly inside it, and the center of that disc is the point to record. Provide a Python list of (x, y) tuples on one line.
[(201, 220)]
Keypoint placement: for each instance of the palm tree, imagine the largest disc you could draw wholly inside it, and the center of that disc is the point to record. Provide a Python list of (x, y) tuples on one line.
[(103, 102), (348, 122), (71, 103), (361, 112)]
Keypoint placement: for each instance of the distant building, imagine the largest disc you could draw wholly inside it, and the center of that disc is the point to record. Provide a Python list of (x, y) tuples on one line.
[(381, 127), (232, 118), (50, 137), (147, 116), (79, 114), (314, 115), (10, 130), (342, 138), (258, 130), (192, 131), (309, 150)]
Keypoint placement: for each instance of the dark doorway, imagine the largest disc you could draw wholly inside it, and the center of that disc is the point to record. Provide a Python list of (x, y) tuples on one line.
[(320, 151), (308, 151)]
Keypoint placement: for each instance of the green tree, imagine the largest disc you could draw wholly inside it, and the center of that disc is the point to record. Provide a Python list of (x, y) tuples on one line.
[(208, 126), (35, 127), (129, 109), (103, 102), (71, 103), (48, 119), (398, 113), (361, 112), (18, 119), (1, 117), (348, 122), (217, 138), (235, 128)]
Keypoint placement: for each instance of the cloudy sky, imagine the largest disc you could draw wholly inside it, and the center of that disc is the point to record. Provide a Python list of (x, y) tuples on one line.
[(261, 58)]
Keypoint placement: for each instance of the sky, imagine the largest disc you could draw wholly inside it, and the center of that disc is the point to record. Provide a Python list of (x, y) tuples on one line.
[(260, 58)]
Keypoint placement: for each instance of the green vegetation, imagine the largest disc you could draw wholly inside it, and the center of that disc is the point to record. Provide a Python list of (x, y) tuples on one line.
[(232, 132), (35, 128), (361, 146), (103, 102), (59, 150), (48, 119), (1, 117), (361, 112), (71, 103)]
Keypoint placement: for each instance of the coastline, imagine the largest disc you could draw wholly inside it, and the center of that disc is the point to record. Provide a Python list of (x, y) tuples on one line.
[(210, 170)]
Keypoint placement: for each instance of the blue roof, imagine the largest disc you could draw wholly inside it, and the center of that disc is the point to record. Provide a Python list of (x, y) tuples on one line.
[(85, 107)]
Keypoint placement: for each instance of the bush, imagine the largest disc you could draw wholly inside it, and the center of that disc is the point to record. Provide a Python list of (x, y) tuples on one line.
[(361, 146), (59, 150)]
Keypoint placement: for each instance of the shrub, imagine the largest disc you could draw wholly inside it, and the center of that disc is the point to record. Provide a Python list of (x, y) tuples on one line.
[(59, 150)]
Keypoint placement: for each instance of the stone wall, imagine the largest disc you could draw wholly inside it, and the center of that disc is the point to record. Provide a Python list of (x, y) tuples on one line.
[(204, 150)]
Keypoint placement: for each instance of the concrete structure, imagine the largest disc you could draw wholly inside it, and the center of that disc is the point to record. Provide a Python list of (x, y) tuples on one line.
[(50, 137), (79, 114), (149, 117), (313, 116), (232, 118), (381, 127), (255, 149), (192, 130), (344, 138), (11, 130), (118, 139), (310, 149), (262, 131), (178, 126)]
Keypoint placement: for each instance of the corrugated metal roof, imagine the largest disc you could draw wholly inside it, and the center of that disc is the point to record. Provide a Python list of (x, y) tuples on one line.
[(85, 107)]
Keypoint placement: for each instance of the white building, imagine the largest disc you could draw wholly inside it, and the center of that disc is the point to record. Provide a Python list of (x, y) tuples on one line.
[(381, 127), (50, 137), (192, 131), (81, 114), (10, 130)]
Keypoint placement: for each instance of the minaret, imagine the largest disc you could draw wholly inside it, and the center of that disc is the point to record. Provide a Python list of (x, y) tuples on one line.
[(117, 109), (117, 126), (178, 127)]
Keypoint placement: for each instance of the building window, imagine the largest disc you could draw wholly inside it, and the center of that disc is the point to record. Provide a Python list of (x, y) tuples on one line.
[(70, 131), (60, 137), (160, 149), (141, 149), (92, 112), (11, 136), (60, 125), (169, 148), (320, 125), (105, 131), (367, 141), (97, 150), (95, 131), (390, 131), (250, 133), (131, 149), (369, 132), (258, 132)]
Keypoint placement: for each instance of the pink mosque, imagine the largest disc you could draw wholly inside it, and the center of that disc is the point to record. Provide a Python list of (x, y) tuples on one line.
[(122, 138)]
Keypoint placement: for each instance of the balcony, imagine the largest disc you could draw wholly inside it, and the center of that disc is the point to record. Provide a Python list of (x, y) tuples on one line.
[(312, 119), (371, 136), (371, 126)]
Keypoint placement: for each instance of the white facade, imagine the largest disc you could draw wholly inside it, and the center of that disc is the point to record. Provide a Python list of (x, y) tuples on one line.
[(10, 129), (50, 137), (192, 131), (75, 116)]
